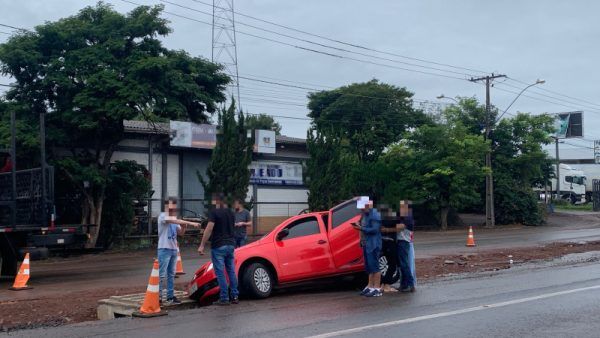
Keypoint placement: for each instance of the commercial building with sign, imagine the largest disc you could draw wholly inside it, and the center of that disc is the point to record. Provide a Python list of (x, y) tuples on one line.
[(176, 152)]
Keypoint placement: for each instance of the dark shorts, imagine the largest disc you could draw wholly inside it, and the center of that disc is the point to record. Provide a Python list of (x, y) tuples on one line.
[(371, 260)]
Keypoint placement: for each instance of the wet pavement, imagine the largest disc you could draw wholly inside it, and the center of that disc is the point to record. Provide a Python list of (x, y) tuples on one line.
[(553, 299)]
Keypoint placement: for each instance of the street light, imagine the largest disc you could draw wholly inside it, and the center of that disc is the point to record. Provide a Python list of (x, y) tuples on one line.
[(537, 82), (442, 96)]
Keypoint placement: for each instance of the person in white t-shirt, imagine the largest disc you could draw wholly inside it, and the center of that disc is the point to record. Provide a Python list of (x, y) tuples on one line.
[(168, 229)]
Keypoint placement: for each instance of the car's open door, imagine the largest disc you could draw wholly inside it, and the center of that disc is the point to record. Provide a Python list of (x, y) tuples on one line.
[(343, 239)]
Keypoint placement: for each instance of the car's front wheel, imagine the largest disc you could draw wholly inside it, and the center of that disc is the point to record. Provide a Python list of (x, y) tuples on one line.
[(258, 280)]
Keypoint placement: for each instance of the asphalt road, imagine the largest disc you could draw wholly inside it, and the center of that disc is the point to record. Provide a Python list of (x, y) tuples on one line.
[(534, 301), (87, 272)]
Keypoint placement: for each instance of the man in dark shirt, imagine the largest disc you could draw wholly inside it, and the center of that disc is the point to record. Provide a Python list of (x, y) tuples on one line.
[(243, 220), (220, 232)]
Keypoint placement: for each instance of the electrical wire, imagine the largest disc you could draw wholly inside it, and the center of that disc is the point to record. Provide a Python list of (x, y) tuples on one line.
[(347, 43)]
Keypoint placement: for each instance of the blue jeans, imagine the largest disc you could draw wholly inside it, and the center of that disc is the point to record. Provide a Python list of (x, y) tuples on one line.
[(167, 261), (222, 259), (406, 280), (240, 241)]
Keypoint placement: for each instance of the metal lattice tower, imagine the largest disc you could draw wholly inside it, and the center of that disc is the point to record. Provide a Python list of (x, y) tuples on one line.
[(224, 49)]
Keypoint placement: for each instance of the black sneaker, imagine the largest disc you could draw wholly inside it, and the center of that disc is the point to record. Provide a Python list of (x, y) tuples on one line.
[(235, 300), (221, 302), (173, 300)]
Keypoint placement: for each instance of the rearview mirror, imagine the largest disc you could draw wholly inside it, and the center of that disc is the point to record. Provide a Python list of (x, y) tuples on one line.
[(283, 234)]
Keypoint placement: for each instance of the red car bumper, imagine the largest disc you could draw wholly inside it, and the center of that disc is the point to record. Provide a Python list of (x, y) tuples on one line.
[(203, 286)]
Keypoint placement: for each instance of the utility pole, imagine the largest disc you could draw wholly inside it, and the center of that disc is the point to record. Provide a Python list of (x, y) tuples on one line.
[(490, 218), (558, 197)]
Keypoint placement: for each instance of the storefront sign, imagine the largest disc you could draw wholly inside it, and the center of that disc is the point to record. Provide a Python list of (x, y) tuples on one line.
[(276, 173), (264, 141), (192, 135)]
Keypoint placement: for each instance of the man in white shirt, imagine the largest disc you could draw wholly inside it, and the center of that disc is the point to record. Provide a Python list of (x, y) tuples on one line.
[(168, 229)]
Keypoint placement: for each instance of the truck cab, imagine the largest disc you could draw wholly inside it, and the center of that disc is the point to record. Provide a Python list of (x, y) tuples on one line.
[(572, 184)]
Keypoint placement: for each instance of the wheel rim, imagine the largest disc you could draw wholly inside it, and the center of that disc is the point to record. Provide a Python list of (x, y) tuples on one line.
[(383, 265), (262, 280)]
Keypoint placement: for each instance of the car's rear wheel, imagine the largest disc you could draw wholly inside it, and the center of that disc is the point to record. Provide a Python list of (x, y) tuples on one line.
[(258, 280)]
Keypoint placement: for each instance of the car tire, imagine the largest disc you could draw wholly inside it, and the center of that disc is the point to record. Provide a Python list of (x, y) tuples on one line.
[(258, 281)]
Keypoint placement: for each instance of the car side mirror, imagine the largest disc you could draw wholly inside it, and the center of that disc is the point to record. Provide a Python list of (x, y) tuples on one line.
[(283, 234)]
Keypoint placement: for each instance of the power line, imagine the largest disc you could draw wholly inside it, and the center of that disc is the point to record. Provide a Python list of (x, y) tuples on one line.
[(319, 44), (556, 93), (13, 27), (313, 50), (350, 44)]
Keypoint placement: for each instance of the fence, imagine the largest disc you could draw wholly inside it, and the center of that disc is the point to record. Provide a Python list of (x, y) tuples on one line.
[(265, 215)]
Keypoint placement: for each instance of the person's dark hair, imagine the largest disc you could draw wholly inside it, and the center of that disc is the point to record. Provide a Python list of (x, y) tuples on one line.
[(219, 197), (171, 199)]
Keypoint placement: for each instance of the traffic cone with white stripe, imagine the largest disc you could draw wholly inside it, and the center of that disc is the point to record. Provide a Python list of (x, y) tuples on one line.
[(22, 276), (470, 237), (151, 305), (179, 265)]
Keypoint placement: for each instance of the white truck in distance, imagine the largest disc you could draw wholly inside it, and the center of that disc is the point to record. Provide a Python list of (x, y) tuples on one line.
[(592, 172), (572, 184)]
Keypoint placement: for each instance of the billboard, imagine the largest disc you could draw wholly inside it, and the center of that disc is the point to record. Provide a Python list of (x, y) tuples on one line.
[(275, 173), (264, 141), (569, 125), (192, 135)]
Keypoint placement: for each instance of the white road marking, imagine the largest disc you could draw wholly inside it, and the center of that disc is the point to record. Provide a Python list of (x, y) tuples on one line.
[(452, 313)]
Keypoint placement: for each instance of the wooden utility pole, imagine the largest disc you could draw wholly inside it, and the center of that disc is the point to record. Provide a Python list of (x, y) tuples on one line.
[(490, 219)]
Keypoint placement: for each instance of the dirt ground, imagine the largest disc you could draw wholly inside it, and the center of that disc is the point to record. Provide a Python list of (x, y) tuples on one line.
[(78, 306)]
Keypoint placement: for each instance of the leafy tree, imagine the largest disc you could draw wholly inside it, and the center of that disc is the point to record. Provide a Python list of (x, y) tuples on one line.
[(519, 164), (228, 171), (325, 171), (127, 183), (263, 121), (370, 116), (91, 71), (441, 165)]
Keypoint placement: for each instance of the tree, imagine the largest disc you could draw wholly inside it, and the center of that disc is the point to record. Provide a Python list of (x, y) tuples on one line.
[(227, 171), (440, 165), (326, 171), (370, 116), (519, 164), (91, 71), (263, 121)]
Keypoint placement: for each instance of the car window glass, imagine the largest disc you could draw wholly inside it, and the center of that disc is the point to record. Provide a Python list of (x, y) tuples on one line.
[(569, 179), (343, 214), (303, 227)]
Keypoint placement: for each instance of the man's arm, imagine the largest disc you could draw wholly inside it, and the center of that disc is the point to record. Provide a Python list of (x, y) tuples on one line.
[(182, 222), (206, 236), (373, 226)]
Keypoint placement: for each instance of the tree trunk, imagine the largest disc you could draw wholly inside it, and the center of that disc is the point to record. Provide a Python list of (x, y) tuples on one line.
[(444, 218)]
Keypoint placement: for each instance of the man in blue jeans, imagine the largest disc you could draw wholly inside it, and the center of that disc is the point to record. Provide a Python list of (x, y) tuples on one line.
[(220, 233), (370, 241), (405, 234), (168, 229)]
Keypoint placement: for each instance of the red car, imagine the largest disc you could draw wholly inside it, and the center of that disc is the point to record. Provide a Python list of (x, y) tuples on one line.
[(302, 248)]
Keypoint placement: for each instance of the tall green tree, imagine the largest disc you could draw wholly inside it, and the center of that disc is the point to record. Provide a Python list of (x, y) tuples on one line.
[(326, 170), (446, 165), (263, 121), (370, 116), (227, 171), (520, 164), (91, 71)]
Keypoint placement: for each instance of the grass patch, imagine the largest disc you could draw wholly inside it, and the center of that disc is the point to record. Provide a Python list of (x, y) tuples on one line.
[(569, 206)]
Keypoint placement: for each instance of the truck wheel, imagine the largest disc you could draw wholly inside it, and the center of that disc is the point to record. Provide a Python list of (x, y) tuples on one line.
[(258, 280)]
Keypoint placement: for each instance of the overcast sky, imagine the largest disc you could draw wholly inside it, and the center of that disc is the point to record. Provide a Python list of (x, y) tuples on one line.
[(525, 39)]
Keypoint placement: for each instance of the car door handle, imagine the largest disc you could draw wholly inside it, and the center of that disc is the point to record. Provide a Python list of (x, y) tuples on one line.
[(321, 242)]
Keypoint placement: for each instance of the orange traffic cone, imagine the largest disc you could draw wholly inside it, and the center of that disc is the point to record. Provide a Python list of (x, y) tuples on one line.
[(22, 276), (470, 238), (151, 305), (179, 265)]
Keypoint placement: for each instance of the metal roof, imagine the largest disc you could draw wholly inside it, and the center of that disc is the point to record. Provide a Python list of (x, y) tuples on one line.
[(162, 128)]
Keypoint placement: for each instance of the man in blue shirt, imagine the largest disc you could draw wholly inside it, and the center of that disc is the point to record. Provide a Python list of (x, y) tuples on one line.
[(370, 240)]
